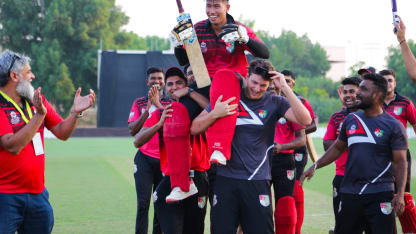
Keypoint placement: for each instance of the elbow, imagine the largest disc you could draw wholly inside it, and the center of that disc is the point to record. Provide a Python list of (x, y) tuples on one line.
[(138, 143), (14, 150), (266, 54), (306, 121)]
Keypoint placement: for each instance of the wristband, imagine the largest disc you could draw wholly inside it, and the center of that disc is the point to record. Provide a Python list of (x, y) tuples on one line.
[(315, 166), (190, 90), (402, 41), (78, 116)]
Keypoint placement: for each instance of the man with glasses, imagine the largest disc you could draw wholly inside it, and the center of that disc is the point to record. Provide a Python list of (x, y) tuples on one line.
[(24, 112)]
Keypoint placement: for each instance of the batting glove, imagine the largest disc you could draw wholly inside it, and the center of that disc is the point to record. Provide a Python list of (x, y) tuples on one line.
[(181, 32), (234, 32)]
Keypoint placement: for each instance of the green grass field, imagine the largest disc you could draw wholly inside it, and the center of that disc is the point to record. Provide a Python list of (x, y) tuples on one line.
[(92, 187)]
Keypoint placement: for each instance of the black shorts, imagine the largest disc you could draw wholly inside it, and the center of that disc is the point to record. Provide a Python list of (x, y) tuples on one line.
[(357, 211), (245, 202), (301, 159), (184, 217), (283, 175)]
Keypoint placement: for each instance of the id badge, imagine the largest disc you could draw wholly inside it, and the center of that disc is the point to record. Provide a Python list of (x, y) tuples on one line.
[(37, 144)]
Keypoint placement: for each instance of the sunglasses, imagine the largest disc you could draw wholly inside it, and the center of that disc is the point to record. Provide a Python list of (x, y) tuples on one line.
[(15, 57)]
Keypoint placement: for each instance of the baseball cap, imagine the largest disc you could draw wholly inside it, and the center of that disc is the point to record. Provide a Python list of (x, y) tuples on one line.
[(368, 69), (175, 71)]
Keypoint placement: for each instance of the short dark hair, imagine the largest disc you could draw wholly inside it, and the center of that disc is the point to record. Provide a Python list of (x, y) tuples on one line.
[(289, 73), (267, 65), (379, 82), (387, 72), (351, 81), (152, 70), (175, 71)]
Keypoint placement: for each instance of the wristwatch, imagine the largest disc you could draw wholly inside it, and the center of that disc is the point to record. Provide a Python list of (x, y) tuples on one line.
[(78, 116), (190, 90)]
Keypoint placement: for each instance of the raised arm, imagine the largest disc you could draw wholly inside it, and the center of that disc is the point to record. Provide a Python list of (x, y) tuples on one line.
[(64, 129), (15, 142), (146, 133), (408, 57)]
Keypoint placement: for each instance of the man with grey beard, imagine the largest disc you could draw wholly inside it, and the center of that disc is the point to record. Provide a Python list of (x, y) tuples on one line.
[(24, 112)]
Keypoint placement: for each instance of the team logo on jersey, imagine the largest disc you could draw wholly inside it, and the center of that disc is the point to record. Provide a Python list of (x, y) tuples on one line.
[(154, 196), (282, 120), (352, 129), (398, 110), (298, 157), (204, 47), (386, 208), (263, 113), (214, 200), (290, 174), (14, 119), (131, 115), (202, 201), (264, 200), (230, 46), (378, 132)]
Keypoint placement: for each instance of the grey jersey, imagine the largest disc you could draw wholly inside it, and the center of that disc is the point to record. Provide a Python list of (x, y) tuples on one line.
[(253, 137)]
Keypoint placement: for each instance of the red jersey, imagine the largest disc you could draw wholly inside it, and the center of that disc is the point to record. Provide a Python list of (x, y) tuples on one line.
[(402, 109), (151, 148), (308, 106), (23, 173), (332, 133), (285, 132), (215, 51), (199, 155)]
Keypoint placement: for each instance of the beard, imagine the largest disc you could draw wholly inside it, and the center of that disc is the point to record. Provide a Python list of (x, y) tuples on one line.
[(25, 89), (363, 104)]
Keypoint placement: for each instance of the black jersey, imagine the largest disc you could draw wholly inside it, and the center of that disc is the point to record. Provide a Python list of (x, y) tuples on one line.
[(371, 141)]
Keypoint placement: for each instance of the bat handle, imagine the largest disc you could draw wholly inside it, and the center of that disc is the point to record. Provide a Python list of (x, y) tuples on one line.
[(180, 7)]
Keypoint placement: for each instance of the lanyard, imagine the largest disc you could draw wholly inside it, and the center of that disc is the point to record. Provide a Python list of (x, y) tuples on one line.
[(28, 109)]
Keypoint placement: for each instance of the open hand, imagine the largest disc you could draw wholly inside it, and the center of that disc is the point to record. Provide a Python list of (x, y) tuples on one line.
[(38, 102), (82, 103), (223, 108)]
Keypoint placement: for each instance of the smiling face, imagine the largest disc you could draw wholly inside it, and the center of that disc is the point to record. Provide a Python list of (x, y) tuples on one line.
[(156, 78), (174, 83), (349, 95), (366, 95), (256, 86), (217, 11)]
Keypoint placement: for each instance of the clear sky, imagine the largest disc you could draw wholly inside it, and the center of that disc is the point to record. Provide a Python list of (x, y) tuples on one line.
[(363, 27)]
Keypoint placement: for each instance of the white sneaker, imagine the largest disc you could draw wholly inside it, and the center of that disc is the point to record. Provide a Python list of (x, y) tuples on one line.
[(218, 158), (177, 194)]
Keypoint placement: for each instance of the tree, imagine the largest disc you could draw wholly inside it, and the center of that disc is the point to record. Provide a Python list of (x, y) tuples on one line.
[(298, 54), (395, 62), (62, 38)]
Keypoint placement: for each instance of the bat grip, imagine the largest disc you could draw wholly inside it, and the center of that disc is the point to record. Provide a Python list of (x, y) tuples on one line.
[(180, 7)]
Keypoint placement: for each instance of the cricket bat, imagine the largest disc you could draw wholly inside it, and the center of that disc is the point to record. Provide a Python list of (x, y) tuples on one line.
[(193, 50), (311, 148)]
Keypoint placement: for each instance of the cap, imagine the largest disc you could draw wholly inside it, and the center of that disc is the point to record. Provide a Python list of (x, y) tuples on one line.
[(174, 71), (368, 69)]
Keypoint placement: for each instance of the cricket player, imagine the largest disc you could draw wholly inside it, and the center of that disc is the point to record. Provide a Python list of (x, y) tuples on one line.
[(376, 161), (242, 189)]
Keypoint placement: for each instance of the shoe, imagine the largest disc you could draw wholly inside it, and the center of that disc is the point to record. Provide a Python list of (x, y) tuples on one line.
[(218, 158), (177, 194)]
